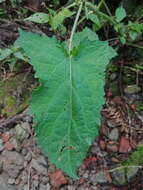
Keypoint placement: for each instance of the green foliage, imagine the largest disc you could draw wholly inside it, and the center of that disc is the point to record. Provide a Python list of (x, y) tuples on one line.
[(58, 18), (66, 106), (120, 14), (39, 18), (11, 55), (135, 158)]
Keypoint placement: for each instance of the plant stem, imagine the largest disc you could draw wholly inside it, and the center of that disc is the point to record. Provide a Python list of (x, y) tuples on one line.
[(74, 27), (100, 4), (100, 14), (135, 45)]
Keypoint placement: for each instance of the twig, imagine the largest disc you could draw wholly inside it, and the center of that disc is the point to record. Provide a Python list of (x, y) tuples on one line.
[(123, 167), (10, 121)]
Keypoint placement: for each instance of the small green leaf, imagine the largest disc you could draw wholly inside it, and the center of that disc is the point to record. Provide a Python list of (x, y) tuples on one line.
[(1, 1), (120, 14), (4, 53), (123, 40), (58, 19), (39, 18), (133, 35), (66, 106)]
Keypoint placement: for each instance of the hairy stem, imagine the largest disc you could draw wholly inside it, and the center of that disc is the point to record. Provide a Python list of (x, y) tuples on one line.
[(74, 27), (100, 14)]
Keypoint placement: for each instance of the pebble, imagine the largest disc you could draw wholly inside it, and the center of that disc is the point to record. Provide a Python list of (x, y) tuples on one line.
[(11, 181), (125, 146), (42, 187), (71, 187), (99, 177), (4, 186), (111, 123), (48, 186), (114, 134), (28, 157), (13, 163), (39, 167), (21, 131), (1, 145)]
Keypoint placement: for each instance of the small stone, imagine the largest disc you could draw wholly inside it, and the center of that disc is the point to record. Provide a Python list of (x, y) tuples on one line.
[(58, 179), (125, 146), (112, 147), (85, 175), (118, 176), (11, 181), (48, 186), (1, 145), (25, 187), (111, 123), (24, 151), (45, 180), (4, 186), (8, 146), (99, 177), (132, 89), (16, 144), (114, 134), (37, 165), (36, 183), (102, 144), (71, 187), (21, 132), (42, 187), (113, 76), (13, 163), (28, 157), (5, 137)]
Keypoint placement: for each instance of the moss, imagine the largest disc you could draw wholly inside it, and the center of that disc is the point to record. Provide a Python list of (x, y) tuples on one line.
[(14, 94)]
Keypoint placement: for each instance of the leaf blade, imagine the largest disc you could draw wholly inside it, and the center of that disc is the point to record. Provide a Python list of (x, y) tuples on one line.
[(67, 109)]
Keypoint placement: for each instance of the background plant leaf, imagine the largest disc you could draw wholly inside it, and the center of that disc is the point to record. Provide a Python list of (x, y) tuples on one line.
[(39, 18), (66, 106), (120, 13)]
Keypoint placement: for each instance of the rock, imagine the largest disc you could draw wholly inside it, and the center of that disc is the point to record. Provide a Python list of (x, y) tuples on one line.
[(114, 134), (11, 181), (132, 89), (35, 183), (99, 177), (57, 179), (28, 157), (1, 145), (131, 172), (111, 123), (112, 147), (15, 143), (48, 186), (118, 176), (42, 187), (39, 166), (124, 146), (113, 76), (71, 187), (4, 186), (5, 137), (21, 131), (45, 180), (8, 146), (13, 163)]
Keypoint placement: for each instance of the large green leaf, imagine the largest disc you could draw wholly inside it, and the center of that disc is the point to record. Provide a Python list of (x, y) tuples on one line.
[(67, 104)]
